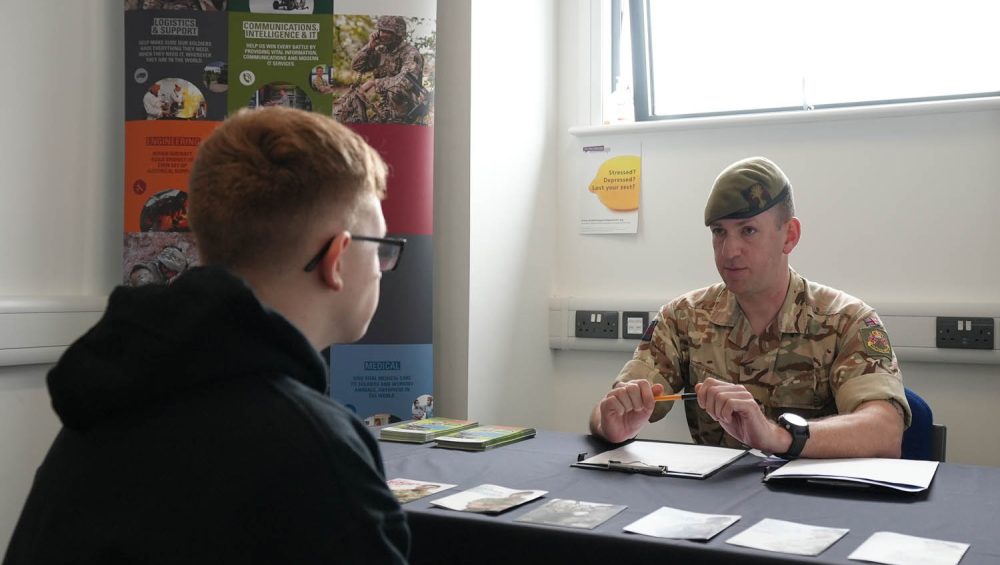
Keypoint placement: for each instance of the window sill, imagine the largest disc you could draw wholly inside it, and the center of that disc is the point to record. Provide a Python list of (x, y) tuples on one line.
[(800, 116)]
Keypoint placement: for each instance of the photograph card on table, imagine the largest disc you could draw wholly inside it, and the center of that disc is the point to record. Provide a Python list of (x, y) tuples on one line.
[(898, 549), (488, 499), (680, 524), (788, 537), (572, 513), (408, 490)]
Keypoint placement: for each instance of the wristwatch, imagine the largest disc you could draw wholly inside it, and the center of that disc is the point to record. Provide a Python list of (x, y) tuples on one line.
[(799, 428)]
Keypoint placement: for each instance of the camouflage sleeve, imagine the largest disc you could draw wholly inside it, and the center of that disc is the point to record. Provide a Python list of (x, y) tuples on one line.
[(365, 60), (865, 367), (659, 358), (409, 73)]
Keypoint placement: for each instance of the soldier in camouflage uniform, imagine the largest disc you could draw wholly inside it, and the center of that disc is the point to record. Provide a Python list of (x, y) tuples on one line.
[(762, 343), (398, 68)]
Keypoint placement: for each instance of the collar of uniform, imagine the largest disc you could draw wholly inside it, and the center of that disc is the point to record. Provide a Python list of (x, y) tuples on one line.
[(791, 309), (727, 311)]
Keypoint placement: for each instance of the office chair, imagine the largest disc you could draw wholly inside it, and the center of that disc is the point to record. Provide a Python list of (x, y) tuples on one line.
[(923, 439)]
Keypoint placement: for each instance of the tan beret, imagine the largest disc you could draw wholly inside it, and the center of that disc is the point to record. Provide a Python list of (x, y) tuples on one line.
[(746, 188)]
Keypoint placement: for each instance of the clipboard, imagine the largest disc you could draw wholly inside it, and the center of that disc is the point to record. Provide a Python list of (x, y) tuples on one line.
[(662, 458)]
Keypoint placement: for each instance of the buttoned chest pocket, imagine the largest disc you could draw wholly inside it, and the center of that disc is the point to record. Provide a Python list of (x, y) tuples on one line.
[(807, 391)]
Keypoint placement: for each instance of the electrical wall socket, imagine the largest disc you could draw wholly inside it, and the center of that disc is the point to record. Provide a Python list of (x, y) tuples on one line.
[(965, 333), (599, 324), (634, 324)]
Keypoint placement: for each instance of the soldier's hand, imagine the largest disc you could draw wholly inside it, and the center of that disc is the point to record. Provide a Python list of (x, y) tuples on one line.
[(368, 85), (738, 413), (626, 409), (373, 39)]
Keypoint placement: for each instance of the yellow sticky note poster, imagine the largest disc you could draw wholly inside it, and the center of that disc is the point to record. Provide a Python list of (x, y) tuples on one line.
[(616, 184), (610, 204)]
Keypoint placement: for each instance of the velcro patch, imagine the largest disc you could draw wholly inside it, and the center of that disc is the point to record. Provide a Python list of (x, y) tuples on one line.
[(873, 321), (648, 334), (876, 342)]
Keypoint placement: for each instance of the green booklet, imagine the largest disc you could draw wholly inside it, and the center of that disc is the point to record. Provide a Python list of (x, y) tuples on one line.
[(485, 437), (422, 431)]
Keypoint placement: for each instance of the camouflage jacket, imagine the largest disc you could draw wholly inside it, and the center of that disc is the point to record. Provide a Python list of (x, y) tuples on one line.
[(825, 353), (398, 70)]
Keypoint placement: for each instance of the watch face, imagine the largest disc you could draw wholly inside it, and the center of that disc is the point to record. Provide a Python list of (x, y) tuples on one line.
[(794, 419)]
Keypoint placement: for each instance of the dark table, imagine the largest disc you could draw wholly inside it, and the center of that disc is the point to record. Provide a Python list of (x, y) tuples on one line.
[(962, 505)]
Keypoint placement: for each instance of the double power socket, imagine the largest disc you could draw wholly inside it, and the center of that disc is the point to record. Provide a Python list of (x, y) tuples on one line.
[(609, 324)]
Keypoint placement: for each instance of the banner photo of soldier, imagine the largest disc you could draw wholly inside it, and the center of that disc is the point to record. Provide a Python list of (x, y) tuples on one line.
[(157, 257), (383, 69)]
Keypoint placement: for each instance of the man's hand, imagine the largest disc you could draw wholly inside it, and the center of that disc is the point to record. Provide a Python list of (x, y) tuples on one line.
[(739, 414), (373, 39), (368, 85), (625, 410)]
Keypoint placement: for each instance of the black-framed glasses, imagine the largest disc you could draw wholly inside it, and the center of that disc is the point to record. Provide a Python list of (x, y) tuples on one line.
[(390, 249)]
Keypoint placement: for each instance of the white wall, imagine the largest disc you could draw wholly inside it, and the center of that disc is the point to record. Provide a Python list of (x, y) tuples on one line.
[(895, 208), (512, 170), (60, 226)]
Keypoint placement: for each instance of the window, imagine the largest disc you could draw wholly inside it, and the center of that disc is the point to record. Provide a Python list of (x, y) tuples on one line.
[(712, 57)]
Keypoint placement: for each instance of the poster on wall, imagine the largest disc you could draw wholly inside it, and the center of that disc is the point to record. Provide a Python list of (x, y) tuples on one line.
[(279, 53), (368, 64), (381, 85), (609, 187), (176, 84)]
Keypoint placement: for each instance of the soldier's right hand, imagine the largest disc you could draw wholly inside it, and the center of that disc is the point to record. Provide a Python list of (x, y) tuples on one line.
[(626, 409)]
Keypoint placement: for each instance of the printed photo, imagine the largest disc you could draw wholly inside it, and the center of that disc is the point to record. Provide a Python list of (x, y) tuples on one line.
[(321, 78), (572, 514), (423, 407), (280, 94), (488, 499), (174, 99), (281, 6), (680, 524), (216, 76), (408, 490), (383, 69), (157, 257), (788, 537), (165, 211)]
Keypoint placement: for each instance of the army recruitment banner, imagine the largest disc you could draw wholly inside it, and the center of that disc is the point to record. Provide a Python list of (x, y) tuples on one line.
[(369, 64)]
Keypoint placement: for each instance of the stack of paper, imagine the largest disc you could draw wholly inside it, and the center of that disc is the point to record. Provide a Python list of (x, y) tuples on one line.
[(421, 431), (900, 474), (485, 437)]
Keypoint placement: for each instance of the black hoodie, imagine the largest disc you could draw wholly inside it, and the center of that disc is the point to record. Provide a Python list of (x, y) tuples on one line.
[(196, 430)]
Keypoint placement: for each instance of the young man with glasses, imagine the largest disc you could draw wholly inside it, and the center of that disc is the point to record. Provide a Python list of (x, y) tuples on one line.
[(196, 425)]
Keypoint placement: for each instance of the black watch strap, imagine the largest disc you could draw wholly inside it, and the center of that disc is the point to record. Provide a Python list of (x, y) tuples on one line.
[(799, 432)]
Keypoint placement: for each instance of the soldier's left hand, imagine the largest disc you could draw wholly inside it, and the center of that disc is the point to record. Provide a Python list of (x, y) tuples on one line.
[(738, 413), (368, 85)]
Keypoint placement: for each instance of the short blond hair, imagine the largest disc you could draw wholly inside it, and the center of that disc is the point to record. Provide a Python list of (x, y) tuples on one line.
[(265, 179)]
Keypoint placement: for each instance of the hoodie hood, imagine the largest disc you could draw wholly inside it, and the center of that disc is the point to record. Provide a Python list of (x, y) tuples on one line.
[(157, 342)]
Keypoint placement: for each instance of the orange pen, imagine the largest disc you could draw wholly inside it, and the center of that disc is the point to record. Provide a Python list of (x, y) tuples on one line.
[(681, 396)]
